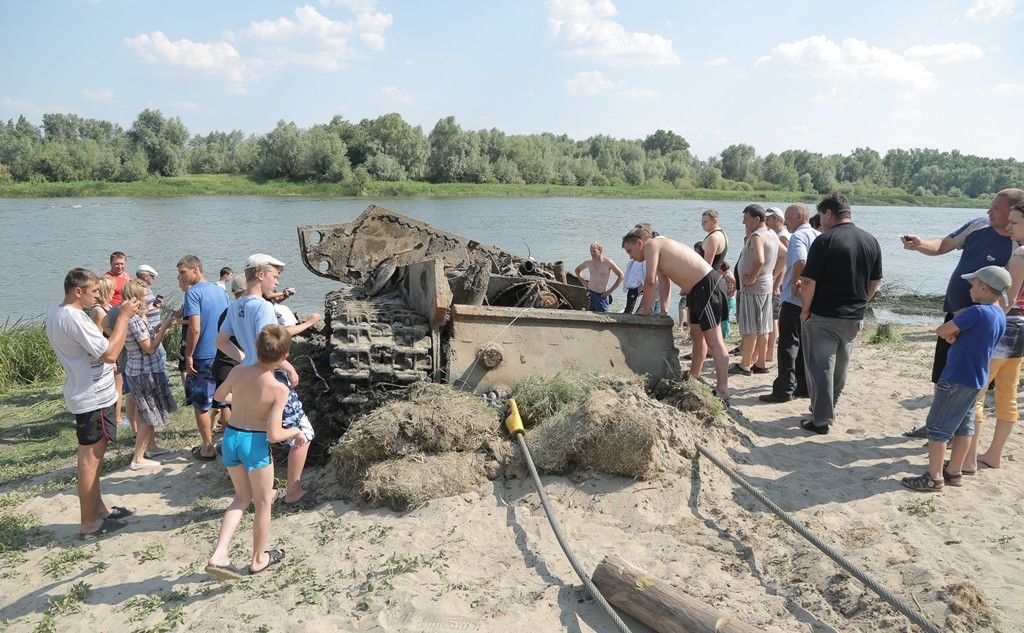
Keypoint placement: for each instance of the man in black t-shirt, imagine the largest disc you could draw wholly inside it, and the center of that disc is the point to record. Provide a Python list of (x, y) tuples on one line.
[(843, 272)]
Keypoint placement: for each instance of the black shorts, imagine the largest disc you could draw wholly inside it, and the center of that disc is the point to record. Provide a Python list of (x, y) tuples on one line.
[(93, 426), (707, 302)]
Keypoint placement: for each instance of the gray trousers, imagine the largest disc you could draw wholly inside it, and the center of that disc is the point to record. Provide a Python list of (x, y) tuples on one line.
[(828, 344)]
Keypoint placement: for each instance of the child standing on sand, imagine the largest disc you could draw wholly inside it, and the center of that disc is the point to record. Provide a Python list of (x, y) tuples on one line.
[(973, 335), (257, 408)]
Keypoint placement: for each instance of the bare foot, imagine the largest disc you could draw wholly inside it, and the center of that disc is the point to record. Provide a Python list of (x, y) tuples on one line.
[(989, 462), (294, 495)]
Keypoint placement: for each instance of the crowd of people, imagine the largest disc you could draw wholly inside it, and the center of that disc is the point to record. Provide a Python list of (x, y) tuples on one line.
[(803, 283), (799, 289), (108, 335)]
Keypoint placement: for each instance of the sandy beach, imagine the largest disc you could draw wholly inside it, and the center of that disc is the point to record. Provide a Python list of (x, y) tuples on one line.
[(488, 561)]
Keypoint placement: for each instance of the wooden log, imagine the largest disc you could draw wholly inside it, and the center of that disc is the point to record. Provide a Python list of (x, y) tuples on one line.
[(659, 605)]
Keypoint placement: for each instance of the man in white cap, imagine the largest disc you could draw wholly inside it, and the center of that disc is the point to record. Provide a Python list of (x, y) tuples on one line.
[(246, 318), (147, 275)]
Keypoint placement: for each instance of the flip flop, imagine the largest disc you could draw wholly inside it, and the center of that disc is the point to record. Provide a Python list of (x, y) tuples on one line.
[(157, 453), (982, 462), (197, 452), (107, 527), (276, 556), (120, 512), (308, 498), (223, 572)]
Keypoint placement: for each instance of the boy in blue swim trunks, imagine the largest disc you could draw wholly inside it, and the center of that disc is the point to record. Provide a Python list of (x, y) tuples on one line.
[(258, 404)]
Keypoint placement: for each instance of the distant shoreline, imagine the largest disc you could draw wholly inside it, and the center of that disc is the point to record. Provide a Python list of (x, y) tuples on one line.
[(227, 185)]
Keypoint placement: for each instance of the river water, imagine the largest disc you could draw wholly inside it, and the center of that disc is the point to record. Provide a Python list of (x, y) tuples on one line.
[(42, 238)]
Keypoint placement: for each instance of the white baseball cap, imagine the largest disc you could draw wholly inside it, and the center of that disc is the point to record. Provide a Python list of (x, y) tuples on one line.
[(149, 270), (262, 259)]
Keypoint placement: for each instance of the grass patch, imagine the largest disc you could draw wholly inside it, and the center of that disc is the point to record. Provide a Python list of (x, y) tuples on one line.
[(237, 185), (153, 551), (63, 561), (26, 357), (885, 333), (540, 397)]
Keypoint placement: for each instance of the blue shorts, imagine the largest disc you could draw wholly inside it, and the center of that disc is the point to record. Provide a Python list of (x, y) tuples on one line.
[(242, 447), (125, 389), (598, 302), (952, 411), (199, 389)]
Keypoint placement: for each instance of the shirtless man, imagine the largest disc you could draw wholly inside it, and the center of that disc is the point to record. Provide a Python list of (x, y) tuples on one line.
[(258, 408), (705, 297), (600, 268)]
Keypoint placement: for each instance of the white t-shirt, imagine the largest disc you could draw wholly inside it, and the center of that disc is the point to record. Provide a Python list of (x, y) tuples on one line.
[(79, 343), (285, 316)]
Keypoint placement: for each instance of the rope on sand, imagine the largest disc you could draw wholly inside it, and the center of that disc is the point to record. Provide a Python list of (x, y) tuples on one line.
[(883, 592), (514, 424)]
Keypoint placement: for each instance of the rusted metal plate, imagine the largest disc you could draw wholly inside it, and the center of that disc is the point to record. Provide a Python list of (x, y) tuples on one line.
[(531, 341)]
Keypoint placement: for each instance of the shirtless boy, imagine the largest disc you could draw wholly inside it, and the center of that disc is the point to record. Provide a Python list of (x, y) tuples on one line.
[(257, 408), (705, 297), (600, 268)]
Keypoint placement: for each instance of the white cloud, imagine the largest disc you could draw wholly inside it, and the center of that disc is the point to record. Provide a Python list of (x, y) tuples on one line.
[(944, 53), (851, 59), (586, 30), (1008, 89), (988, 10), (905, 115), (640, 93), (97, 95), (587, 83), (313, 39), (391, 94), (216, 59), (309, 39), (355, 6), (718, 61)]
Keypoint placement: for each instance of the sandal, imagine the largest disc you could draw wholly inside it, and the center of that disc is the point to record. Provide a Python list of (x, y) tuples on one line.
[(197, 452), (275, 556), (923, 483), (120, 512), (952, 480)]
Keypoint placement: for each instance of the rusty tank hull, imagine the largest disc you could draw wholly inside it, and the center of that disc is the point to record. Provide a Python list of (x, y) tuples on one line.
[(425, 304)]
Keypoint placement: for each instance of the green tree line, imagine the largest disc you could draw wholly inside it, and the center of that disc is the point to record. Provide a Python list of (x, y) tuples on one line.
[(67, 148)]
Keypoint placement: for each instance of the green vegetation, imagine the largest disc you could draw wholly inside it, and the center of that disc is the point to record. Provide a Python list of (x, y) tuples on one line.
[(26, 356), (71, 156)]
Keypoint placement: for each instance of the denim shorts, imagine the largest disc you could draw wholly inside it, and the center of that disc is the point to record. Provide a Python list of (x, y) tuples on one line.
[(952, 411)]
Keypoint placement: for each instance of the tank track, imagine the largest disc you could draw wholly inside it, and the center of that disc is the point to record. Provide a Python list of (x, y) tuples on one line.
[(375, 344)]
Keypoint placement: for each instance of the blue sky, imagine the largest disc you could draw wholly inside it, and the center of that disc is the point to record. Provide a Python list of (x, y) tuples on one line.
[(821, 75)]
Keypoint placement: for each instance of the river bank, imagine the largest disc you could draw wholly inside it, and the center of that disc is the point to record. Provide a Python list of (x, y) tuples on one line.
[(231, 185), (487, 560)]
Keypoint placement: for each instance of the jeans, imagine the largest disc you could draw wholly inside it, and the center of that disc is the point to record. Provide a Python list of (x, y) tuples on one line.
[(952, 411), (791, 378), (828, 344)]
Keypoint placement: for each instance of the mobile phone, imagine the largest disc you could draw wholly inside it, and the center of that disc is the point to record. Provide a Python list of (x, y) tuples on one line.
[(904, 237), (159, 301)]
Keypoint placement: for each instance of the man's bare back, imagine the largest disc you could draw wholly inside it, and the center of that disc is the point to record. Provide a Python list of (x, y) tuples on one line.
[(680, 263)]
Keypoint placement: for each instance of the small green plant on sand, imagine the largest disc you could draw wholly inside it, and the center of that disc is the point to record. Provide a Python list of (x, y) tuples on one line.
[(153, 551), (63, 561), (885, 333)]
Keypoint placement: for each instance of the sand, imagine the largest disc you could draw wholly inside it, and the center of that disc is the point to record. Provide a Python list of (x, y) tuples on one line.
[(488, 561)]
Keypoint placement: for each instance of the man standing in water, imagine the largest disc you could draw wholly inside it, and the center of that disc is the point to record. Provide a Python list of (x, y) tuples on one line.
[(600, 268), (706, 298)]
